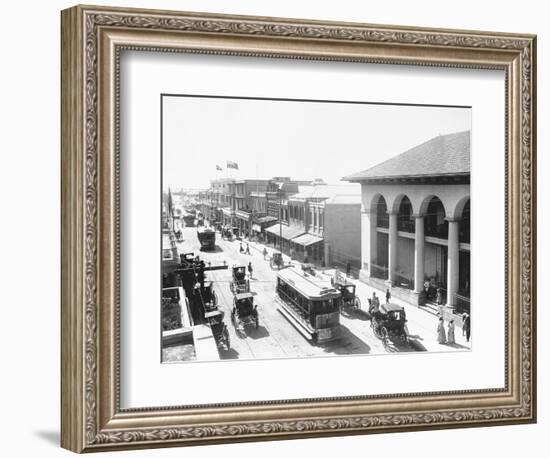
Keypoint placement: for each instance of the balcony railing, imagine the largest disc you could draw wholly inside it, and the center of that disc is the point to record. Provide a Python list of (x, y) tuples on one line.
[(403, 281), (405, 225), (383, 220), (462, 304), (379, 271)]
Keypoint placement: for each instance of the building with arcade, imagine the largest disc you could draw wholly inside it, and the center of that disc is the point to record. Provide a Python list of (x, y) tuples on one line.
[(415, 222)]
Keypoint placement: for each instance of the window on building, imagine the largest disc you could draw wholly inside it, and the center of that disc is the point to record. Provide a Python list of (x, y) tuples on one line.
[(382, 217), (464, 226), (405, 220), (434, 220)]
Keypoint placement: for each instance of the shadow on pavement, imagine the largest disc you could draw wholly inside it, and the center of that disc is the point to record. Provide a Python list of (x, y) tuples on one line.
[(416, 337), (348, 344), (229, 354), (457, 345), (217, 249), (415, 344), (356, 314), (257, 333)]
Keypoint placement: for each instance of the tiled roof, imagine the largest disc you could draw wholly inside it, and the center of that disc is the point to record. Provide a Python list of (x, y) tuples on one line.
[(444, 155)]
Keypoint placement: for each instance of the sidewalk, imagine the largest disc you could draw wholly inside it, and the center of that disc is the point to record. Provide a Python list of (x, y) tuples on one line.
[(422, 325)]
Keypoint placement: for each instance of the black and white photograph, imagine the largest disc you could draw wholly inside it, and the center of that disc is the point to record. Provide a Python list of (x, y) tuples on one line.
[(311, 228)]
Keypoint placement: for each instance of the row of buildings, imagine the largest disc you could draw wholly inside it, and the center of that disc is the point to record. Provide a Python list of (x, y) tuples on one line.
[(311, 220), (404, 222)]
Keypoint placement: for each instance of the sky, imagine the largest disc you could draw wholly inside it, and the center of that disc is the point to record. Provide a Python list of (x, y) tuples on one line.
[(302, 140)]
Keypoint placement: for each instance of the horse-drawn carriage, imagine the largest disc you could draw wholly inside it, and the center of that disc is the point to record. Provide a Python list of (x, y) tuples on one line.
[(389, 320), (227, 233), (209, 297), (277, 261), (350, 300), (236, 233), (239, 282), (214, 319), (244, 312)]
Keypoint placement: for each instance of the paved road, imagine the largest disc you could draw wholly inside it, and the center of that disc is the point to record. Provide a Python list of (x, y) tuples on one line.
[(275, 336)]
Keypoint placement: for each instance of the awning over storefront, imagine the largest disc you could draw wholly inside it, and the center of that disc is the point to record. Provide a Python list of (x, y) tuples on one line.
[(263, 222), (266, 220), (227, 211), (242, 214), (287, 232), (307, 240)]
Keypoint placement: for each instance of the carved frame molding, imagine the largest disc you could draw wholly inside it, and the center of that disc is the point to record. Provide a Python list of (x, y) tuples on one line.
[(92, 39)]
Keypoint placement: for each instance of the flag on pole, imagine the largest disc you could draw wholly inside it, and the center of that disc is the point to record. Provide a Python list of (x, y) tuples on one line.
[(218, 167), (232, 165)]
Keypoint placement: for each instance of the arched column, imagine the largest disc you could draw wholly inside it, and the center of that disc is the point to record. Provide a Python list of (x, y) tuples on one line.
[(392, 247), (368, 241), (418, 253), (452, 261)]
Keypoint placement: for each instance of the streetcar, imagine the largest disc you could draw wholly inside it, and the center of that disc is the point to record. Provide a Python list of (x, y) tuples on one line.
[(310, 303), (207, 238), (189, 220)]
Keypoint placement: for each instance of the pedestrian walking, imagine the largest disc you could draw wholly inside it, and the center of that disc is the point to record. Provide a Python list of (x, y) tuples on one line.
[(247, 249), (388, 296), (241, 250), (451, 332), (264, 252), (466, 326), (441, 337), (250, 269)]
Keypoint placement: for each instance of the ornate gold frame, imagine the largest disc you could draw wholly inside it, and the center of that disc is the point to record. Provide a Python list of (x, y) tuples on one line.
[(92, 38)]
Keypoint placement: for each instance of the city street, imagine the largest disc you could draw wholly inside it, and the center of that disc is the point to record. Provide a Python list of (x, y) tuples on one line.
[(276, 337)]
